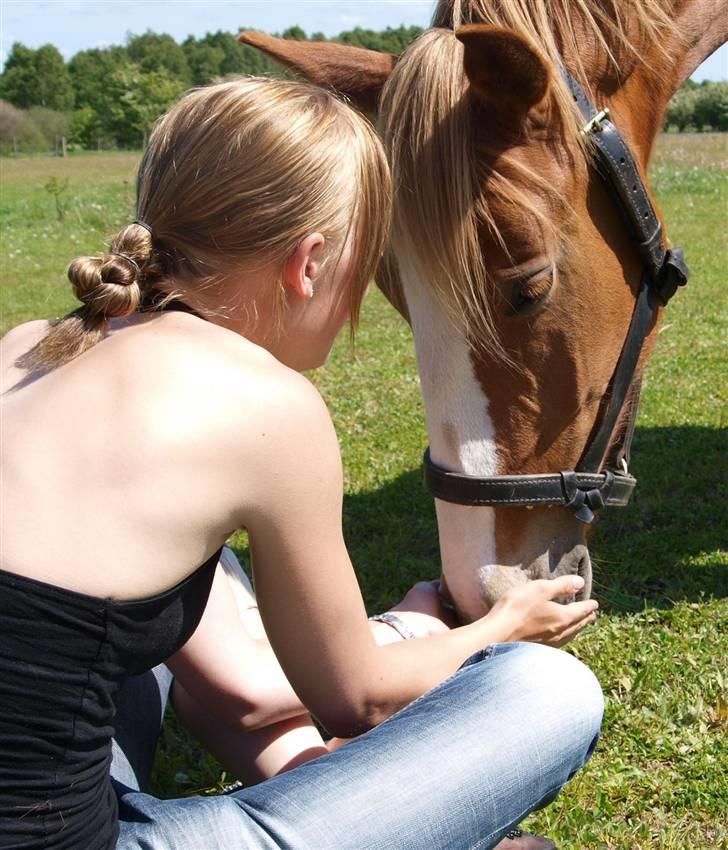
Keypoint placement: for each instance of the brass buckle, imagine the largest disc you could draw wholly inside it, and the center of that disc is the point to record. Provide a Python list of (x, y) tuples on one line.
[(595, 123)]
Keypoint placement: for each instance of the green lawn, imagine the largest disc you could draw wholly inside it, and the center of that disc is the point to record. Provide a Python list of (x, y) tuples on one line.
[(659, 776)]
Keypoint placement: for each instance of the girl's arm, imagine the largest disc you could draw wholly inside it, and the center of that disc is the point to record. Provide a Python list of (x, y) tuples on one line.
[(228, 669), (251, 756), (216, 699), (308, 593)]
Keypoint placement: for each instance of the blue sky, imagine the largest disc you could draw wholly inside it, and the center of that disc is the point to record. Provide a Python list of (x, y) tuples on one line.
[(74, 25)]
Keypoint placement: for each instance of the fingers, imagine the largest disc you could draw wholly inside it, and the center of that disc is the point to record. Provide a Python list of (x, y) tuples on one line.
[(575, 611), (575, 617), (561, 586), (574, 629)]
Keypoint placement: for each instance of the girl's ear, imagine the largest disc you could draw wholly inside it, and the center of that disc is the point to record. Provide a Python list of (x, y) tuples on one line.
[(302, 268)]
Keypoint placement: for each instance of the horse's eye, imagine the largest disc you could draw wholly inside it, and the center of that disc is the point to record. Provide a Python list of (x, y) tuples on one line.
[(532, 293)]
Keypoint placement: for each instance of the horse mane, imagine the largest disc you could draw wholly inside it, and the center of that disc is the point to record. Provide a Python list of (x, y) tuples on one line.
[(561, 28), (427, 126)]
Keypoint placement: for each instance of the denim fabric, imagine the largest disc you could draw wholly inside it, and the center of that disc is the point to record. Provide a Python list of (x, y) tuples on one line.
[(140, 706), (457, 768)]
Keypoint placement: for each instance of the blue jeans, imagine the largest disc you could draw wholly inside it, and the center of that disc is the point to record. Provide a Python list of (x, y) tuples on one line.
[(457, 768)]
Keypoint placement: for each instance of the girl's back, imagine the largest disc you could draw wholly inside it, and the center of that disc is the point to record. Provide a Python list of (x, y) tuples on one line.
[(115, 473)]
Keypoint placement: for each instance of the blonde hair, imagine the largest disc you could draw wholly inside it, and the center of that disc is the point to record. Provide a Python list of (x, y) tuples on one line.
[(235, 175), (437, 152), (558, 28)]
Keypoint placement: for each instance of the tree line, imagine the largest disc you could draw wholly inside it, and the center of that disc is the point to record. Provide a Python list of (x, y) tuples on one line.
[(699, 106), (110, 97)]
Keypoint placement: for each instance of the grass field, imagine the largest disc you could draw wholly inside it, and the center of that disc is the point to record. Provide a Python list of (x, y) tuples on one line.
[(659, 780)]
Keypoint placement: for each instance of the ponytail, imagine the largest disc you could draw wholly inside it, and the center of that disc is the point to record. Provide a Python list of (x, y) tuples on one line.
[(109, 286)]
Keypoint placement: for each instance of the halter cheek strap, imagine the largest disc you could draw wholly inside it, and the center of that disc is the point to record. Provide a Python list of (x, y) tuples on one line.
[(664, 269)]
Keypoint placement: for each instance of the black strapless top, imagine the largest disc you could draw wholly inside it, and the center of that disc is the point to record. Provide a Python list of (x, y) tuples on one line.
[(63, 657)]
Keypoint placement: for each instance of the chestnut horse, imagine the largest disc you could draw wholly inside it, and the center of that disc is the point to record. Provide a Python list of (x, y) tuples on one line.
[(508, 257)]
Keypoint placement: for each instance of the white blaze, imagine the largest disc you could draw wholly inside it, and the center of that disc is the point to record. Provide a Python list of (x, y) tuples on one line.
[(462, 438)]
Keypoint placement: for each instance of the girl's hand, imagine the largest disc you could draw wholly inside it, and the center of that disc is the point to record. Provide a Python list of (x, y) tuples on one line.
[(528, 612)]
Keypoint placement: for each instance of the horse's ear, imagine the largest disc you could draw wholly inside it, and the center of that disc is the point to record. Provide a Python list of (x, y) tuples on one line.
[(352, 71), (504, 70)]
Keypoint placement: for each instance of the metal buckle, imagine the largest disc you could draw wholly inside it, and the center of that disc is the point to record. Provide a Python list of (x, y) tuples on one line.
[(595, 123)]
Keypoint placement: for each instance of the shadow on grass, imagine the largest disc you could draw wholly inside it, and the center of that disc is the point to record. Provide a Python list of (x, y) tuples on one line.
[(669, 544)]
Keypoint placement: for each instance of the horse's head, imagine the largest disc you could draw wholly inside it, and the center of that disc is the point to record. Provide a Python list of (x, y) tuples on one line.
[(519, 283), (508, 257)]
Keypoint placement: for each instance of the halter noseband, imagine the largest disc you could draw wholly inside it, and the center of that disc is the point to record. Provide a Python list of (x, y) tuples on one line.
[(587, 490)]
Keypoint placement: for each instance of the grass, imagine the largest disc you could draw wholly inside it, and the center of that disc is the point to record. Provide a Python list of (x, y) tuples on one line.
[(658, 778), (38, 242)]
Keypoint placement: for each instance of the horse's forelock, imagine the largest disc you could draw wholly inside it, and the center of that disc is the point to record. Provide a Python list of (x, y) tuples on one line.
[(440, 168), (426, 128), (426, 121), (559, 28)]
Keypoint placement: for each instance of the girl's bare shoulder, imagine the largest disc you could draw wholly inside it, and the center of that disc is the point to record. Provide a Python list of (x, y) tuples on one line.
[(14, 344), (21, 338), (228, 368), (217, 381), (260, 424)]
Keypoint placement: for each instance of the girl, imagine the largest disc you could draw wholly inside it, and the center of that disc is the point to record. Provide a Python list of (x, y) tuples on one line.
[(169, 410)]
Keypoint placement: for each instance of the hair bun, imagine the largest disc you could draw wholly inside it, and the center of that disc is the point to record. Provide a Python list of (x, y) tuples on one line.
[(113, 273), (107, 285), (85, 276)]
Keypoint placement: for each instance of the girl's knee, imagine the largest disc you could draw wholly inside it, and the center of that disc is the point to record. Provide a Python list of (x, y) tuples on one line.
[(565, 698), (572, 695), (555, 681), (565, 678)]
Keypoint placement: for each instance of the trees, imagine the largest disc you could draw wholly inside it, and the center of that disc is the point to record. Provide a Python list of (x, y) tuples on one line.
[(711, 107), (390, 40), (53, 125), (54, 88), (88, 130), (18, 134), (133, 101), (36, 78), (701, 106), (154, 52), (296, 33), (218, 55), (113, 96), (18, 80), (89, 70), (204, 61), (681, 107)]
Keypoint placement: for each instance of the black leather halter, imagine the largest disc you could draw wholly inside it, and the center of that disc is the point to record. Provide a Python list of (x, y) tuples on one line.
[(588, 489)]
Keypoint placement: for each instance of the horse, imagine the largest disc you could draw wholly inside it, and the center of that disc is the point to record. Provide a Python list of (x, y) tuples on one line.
[(509, 259)]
